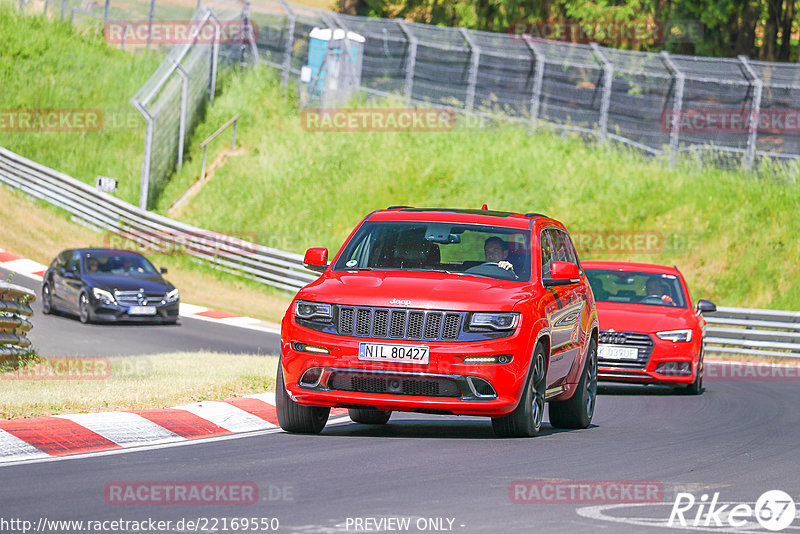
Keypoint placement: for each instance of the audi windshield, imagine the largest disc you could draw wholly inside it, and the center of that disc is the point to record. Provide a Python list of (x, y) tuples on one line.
[(634, 287)]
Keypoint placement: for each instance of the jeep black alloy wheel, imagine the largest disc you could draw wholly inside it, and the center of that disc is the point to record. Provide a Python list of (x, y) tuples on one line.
[(367, 416), (526, 419), (84, 311), (577, 411), (294, 417)]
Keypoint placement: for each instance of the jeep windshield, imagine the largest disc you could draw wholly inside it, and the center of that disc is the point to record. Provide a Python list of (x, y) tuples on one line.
[(463, 249)]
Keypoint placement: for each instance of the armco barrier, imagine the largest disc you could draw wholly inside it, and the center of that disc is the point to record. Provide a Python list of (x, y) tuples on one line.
[(14, 309), (753, 332), (277, 268)]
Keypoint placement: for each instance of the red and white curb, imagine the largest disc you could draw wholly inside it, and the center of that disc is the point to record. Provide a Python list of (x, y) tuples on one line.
[(35, 271), (39, 438)]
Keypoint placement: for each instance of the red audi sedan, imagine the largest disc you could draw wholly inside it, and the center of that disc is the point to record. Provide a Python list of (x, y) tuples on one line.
[(649, 330)]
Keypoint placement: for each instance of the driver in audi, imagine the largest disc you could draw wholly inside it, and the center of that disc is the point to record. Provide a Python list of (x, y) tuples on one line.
[(656, 288), (496, 251)]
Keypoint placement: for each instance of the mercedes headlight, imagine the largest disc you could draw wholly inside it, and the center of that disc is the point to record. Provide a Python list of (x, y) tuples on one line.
[(173, 295), (103, 296)]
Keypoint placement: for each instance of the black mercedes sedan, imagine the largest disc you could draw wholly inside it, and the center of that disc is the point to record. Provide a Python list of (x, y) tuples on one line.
[(109, 285)]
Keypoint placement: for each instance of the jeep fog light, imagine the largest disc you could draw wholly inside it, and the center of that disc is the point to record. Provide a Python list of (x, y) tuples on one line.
[(502, 358), (314, 349), (674, 368)]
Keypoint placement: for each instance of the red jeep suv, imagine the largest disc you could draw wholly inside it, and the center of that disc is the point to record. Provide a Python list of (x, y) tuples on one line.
[(443, 311)]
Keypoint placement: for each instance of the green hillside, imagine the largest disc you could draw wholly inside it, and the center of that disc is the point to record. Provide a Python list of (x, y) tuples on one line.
[(734, 235), (46, 65)]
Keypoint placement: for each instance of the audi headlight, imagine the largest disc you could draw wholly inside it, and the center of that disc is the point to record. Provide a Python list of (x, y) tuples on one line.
[(304, 309), (104, 296), (495, 321), (676, 336), (173, 295)]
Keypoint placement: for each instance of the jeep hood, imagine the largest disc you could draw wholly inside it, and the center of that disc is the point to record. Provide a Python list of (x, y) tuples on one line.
[(415, 289)]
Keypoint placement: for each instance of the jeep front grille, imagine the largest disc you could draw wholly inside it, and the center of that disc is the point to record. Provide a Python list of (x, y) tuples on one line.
[(399, 323)]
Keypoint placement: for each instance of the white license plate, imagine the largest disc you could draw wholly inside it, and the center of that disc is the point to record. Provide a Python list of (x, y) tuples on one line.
[(615, 352), (142, 310), (385, 352)]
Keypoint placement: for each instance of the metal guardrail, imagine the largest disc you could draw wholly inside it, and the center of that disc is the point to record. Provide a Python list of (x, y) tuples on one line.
[(754, 332), (271, 266), (14, 308)]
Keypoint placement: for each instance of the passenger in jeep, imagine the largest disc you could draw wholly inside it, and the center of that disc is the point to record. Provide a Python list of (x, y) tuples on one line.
[(496, 251)]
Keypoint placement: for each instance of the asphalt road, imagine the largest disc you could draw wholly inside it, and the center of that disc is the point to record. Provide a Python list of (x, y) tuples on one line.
[(739, 439), (63, 335)]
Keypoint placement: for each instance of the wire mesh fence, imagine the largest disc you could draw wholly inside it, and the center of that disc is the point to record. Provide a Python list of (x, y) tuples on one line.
[(198, 37), (730, 111)]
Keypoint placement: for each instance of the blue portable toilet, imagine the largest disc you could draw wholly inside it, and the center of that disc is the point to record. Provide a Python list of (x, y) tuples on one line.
[(334, 65)]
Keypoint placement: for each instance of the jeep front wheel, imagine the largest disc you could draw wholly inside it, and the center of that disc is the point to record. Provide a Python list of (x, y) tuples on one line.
[(526, 419), (294, 417)]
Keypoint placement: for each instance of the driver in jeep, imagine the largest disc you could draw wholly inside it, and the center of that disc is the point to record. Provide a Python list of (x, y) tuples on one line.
[(496, 251)]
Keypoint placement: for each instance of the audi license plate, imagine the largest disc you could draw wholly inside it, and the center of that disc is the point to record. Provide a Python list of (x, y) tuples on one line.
[(614, 352), (142, 310), (385, 352)]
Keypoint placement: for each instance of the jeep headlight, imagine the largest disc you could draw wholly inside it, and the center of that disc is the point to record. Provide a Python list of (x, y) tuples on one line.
[(495, 321), (173, 295), (676, 336), (320, 311), (103, 296)]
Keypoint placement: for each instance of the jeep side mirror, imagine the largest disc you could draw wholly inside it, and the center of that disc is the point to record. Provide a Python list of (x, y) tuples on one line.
[(562, 273), (316, 259), (706, 306)]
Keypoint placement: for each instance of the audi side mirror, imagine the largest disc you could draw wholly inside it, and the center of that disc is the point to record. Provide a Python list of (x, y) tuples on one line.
[(705, 306)]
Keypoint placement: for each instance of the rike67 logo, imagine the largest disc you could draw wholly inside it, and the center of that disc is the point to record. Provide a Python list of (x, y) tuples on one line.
[(774, 511)]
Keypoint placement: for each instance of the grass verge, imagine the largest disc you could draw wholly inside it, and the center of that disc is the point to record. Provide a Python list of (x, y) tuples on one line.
[(135, 383)]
